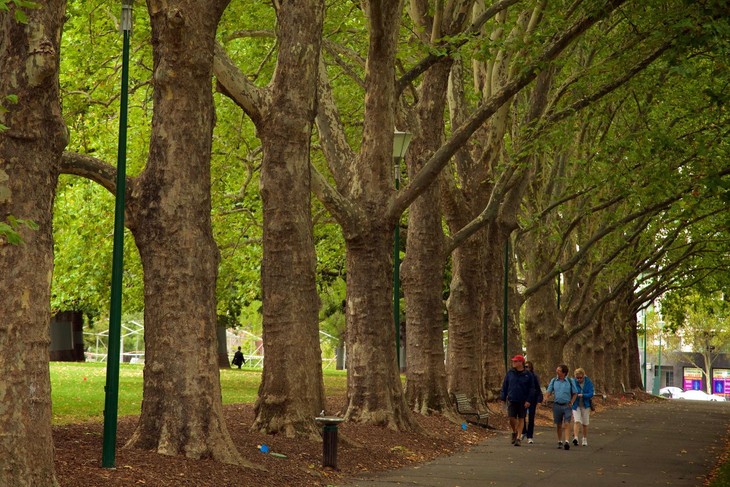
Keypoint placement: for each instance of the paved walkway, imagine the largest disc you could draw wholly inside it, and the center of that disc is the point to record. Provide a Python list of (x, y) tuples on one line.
[(668, 443)]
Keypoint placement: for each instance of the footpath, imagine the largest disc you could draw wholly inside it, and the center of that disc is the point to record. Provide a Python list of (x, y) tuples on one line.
[(668, 443)]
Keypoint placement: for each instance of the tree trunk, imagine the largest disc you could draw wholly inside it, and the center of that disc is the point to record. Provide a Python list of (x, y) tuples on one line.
[(617, 353), (464, 349), (374, 390), (426, 390), (492, 320), (544, 329), (598, 372), (614, 377), (423, 266), (30, 153), (291, 394), (634, 363), (222, 344), (362, 207), (170, 206)]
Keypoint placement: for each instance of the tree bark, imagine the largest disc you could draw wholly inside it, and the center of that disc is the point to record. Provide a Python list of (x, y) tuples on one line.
[(291, 394), (423, 266), (223, 361), (30, 153), (363, 205), (543, 324), (636, 380), (374, 390), (170, 207), (494, 366), (464, 348)]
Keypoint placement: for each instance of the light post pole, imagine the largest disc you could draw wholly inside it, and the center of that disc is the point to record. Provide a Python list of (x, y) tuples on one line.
[(658, 375), (111, 388), (505, 304), (646, 386), (709, 383), (401, 140)]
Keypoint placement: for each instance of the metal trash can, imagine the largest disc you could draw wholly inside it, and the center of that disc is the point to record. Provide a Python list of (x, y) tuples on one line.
[(329, 439)]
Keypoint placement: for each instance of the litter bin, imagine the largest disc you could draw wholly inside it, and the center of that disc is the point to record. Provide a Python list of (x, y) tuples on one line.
[(329, 439)]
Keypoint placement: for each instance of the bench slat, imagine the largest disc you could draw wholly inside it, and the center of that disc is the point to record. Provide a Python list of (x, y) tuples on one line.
[(464, 407)]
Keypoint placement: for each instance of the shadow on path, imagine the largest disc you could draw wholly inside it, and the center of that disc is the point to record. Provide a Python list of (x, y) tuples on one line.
[(668, 443)]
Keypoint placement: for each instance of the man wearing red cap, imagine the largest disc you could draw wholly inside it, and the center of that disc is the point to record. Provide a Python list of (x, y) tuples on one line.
[(517, 389)]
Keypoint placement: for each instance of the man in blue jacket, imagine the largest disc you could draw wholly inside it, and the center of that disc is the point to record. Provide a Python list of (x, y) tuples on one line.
[(517, 389)]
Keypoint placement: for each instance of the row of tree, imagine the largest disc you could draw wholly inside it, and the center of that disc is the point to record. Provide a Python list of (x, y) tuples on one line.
[(578, 147)]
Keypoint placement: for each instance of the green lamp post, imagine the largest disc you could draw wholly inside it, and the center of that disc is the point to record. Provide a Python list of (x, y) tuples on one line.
[(115, 311), (646, 387), (401, 140), (658, 375), (505, 305)]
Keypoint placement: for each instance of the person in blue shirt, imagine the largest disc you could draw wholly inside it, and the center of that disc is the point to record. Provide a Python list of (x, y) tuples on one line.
[(518, 389), (565, 392), (582, 405)]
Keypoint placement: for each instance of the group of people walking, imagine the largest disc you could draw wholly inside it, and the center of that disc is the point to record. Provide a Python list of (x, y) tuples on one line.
[(572, 402)]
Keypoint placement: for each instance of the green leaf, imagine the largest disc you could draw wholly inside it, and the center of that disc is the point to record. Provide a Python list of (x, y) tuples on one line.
[(20, 17), (29, 223), (27, 4), (9, 234)]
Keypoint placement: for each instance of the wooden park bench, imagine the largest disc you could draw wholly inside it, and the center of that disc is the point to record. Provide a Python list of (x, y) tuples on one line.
[(464, 408), (626, 393)]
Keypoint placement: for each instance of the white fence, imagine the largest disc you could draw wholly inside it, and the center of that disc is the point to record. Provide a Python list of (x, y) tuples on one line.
[(251, 345)]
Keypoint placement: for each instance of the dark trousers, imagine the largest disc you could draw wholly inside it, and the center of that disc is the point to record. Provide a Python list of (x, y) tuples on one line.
[(530, 422)]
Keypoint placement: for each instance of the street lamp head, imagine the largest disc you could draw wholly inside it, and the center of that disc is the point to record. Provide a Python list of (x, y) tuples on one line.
[(401, 140), (125, 24)]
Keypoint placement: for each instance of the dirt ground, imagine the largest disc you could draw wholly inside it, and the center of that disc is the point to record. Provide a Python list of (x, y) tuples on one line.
[(361, 448)]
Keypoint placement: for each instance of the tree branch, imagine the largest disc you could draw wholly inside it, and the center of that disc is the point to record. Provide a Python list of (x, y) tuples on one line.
[(234, 84), (91, 168), (460, 136)]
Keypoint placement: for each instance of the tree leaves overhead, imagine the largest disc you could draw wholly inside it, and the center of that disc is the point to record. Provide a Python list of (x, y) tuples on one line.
[(661, 136), (84, 211)]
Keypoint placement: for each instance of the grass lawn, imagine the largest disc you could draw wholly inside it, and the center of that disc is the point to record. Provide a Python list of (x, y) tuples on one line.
[(77, 389)]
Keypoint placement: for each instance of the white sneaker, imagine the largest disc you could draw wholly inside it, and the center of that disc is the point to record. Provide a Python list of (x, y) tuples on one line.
[(529, 440), (560, 445), (585, 442)]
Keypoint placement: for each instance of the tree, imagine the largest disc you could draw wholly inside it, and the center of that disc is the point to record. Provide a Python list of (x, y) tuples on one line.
[(600, 232), (169, 215), (487, 180), (699, 320), (365, 205), (30, 152), (291, 394), (423, 266), (83, 209)]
